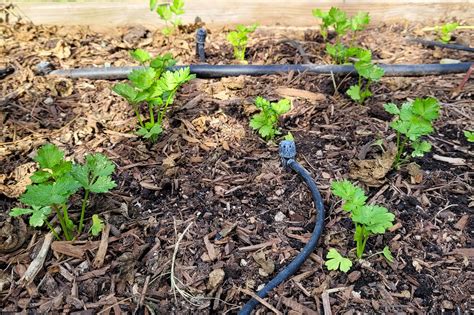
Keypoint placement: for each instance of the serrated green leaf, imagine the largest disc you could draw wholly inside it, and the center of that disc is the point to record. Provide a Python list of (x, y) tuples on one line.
[(102, 185), (48, 156), (376, 219), (360, 21), (289, 137), (282, 107), (387, 254), (354, 93), (420, 148), (177, 7), (427, 108), (257, 121), (164, 11), (99, 164), (39, 216), (391, 108), (39, 177), (126, 91), (266, 131), (261, 103), (142, 78), (352, 195), (50, 194), (140, 55), (15, 212), (336, 261), (469, 135), (97, 225)]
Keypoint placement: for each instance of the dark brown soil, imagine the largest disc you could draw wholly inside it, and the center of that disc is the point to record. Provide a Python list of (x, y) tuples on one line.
[(210, 171)]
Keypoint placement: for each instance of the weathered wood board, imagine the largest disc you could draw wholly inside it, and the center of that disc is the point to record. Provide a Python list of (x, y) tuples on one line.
[(225, 12)]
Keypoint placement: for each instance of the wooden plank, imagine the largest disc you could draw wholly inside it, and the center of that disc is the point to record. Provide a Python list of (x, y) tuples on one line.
[(225, 12)]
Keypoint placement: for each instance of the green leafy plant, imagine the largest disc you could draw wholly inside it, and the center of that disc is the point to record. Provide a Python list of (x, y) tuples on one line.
[(338, 20), (469, 135), (154, 86), (445, 31), (97, 225), (336, 261), (368, 219), (266, 122), (239, 39), (413, 120), (368, 73), (169, 13), (56, 181)]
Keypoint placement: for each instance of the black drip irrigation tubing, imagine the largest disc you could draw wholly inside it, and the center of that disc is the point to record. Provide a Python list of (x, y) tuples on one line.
[(288, 154), (431, 43), (218, 71)]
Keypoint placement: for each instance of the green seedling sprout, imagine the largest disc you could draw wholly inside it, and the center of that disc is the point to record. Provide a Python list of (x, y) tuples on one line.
[(367, 72), (337, 19), (369, 220), (413, 120), (169, 12), (56, 181), (239, 39), (154, 86), (266, 122), (469, 135), (336, 261), (445, 31)]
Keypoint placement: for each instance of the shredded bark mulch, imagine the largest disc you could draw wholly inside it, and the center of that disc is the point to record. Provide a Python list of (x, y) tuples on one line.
[(200, 216)]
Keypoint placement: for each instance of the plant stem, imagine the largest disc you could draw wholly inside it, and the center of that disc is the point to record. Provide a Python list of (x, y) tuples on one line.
[(52, 229), (152, 115), (62, 223), (83, 211), (163, 111), (135, 108)]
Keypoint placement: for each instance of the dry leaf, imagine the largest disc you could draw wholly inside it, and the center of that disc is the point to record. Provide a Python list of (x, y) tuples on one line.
[(268, 266)]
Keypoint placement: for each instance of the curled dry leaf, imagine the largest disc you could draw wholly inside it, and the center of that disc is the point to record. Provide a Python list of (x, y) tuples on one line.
[(268, 266), (372, 171)]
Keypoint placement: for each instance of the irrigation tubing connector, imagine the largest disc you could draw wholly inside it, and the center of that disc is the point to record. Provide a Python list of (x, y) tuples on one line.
[(431, 43), (201, 34), (219, 71), (287, 155)]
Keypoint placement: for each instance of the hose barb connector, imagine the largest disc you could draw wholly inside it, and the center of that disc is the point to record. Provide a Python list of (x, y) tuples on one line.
[(201, 34), (287, 152)]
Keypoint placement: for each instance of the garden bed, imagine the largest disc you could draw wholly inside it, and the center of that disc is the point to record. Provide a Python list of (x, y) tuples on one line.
[(211, 173)]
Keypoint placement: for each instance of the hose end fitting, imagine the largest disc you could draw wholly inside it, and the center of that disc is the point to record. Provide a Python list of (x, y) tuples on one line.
[(287, 152), (201, 35)]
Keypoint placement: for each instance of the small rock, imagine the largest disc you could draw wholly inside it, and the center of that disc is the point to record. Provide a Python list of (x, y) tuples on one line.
[(216, 277), (279, 217), (447, 304), (48, 101), (445, 61), (243, 262), (354, 276), (260, 287), (44, 67)]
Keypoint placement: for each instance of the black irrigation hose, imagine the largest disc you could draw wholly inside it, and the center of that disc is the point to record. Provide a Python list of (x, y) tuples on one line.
[(431, 43), (288, 153), (218, 71)]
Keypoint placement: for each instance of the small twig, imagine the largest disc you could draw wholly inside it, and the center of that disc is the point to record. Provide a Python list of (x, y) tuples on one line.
[(262, 301), (104, 243), (38, 262)]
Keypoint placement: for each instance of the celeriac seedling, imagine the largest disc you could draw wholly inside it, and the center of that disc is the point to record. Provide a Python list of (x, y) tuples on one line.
[(338, 20), (469, 135), (55, 182), (368, 219), (169, 14), (155, 86), (266, 122), (366, 70), (445, 31), (413, 120), (336, 261), (239, 39)]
